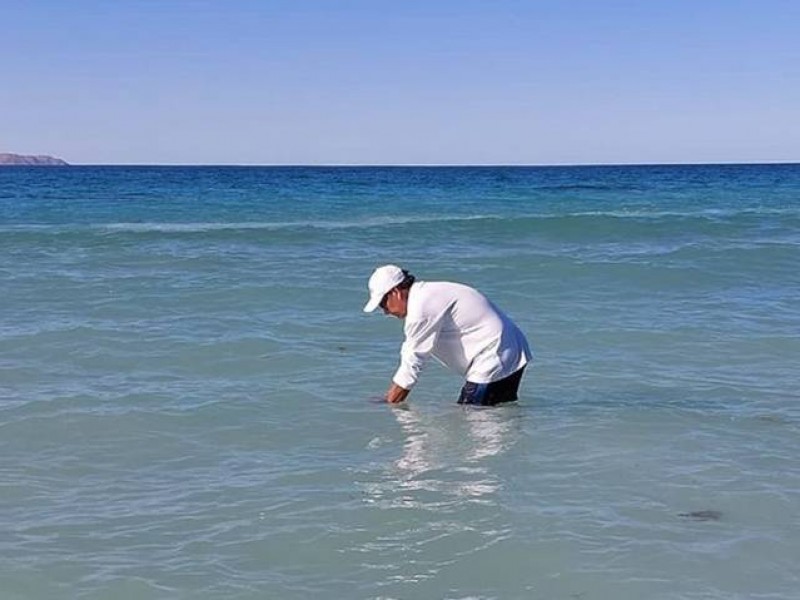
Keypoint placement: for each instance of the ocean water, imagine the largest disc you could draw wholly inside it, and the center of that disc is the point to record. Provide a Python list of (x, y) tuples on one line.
[(188, 384)]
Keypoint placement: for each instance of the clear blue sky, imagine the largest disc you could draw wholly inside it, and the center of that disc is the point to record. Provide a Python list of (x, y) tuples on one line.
[(401, 82)]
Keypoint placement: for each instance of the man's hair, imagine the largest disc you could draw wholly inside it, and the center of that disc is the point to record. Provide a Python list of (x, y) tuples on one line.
[(408, 280)]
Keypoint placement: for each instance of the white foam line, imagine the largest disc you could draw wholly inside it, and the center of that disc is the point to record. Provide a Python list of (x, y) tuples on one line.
[(387, 221), (200, 227)]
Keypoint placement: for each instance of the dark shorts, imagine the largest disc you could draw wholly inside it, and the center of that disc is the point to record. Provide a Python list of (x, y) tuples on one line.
[(489, 394)]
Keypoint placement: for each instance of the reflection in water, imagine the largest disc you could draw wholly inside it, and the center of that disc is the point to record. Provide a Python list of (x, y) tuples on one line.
[(445, 459), (493, 431), (418, 455), (438, 501)]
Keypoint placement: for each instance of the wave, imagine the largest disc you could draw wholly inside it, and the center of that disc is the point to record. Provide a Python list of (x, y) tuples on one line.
[(278, 225), (592, 187), (706, 215), (201, 227)]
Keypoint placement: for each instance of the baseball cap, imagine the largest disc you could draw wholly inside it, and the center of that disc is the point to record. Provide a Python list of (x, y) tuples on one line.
[(383, 279)]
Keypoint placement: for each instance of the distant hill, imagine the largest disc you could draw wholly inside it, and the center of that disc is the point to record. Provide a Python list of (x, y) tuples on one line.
[(21, 159)]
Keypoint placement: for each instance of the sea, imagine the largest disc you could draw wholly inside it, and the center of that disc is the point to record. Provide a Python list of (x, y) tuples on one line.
[(190, 393)]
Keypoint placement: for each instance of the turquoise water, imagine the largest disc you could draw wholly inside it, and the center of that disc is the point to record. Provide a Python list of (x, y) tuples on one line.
[(187, 384)]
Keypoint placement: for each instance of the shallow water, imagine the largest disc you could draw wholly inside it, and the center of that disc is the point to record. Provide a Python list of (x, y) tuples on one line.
[(186, 381)]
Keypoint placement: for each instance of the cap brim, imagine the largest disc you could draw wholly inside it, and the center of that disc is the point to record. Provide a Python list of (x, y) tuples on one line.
[(372, 305)]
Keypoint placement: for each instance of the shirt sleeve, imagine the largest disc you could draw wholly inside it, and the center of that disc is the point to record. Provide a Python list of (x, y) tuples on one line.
[(418, 346)]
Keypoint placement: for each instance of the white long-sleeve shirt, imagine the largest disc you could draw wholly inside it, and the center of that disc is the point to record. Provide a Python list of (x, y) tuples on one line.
[(459, 327)]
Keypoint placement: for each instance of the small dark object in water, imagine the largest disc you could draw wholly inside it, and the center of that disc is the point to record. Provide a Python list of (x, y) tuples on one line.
[(771, 419), (702, 515)]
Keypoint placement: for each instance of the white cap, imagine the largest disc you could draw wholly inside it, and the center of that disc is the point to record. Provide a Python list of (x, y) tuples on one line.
[(381, 283)]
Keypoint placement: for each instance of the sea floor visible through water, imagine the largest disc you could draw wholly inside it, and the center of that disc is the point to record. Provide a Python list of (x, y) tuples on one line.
[(188, 385)]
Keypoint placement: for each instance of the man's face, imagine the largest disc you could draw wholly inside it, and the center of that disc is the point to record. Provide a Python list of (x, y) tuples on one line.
[(394, 303)]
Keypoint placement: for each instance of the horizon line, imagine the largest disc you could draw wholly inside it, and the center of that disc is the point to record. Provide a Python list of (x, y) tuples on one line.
[(433, 165)]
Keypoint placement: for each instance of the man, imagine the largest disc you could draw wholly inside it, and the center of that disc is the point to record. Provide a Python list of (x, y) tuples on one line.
[(457, 325)]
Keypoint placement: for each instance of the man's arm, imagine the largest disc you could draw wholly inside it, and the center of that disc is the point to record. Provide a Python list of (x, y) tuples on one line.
[(396, 394), (420, 340)]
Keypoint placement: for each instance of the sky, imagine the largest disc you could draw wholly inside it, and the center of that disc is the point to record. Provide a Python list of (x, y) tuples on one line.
[(421, 82)]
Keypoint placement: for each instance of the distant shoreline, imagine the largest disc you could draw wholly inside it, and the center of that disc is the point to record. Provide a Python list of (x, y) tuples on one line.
[(8, 159)]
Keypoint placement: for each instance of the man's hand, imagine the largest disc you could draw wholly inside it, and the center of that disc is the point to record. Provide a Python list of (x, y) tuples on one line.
[(396, 394)]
